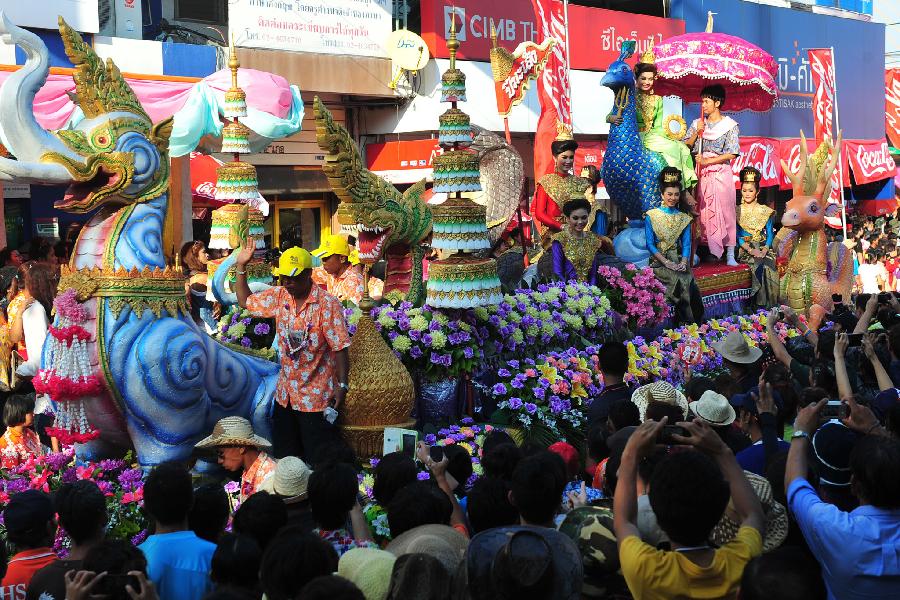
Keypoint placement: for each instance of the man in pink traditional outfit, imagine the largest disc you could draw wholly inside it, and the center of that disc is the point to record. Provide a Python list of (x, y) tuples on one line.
[(715, 144)]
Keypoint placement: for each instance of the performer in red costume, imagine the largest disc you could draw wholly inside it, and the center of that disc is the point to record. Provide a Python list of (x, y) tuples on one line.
[(555, 189)]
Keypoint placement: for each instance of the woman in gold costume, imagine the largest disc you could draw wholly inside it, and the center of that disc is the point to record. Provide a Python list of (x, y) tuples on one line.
[(555, 189), (755, 236), (575, 248), (668, 231)]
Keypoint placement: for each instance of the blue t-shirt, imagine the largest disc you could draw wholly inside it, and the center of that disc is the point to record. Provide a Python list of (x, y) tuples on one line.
[(753, 458), (178, 564)]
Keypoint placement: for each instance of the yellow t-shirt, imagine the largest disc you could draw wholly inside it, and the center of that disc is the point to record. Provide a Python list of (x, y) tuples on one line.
[(652, 573)]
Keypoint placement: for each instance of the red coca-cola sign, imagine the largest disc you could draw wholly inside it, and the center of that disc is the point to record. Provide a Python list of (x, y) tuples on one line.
[(761, 154), (870, 159), (589, 154)]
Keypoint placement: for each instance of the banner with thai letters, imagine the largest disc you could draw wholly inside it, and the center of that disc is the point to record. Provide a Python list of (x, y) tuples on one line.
[(514, 71)]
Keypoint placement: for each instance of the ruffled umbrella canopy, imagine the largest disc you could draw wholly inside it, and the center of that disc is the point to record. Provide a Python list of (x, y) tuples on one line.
[(688, 63)]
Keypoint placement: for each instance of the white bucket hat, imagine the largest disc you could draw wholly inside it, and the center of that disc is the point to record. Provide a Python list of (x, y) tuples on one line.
[(714, 409), (290, 480)]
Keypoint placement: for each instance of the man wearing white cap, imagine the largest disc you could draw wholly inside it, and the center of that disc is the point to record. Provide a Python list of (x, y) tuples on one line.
[(239, 449), (312, 341)]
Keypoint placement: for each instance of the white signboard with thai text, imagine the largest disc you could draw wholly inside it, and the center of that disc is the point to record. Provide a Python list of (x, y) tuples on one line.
[(354, 27), (81, 15)]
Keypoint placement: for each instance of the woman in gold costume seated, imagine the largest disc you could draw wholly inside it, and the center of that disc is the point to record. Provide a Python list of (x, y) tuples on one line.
[(575, 248), (668, 231), (755, 236)]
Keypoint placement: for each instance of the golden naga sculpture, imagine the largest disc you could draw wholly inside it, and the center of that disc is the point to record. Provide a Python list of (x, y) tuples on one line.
[(815, 268)]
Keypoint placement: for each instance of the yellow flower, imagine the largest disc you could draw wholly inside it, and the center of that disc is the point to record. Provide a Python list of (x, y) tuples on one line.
[(578, 391), (438, 340), (548, 372)]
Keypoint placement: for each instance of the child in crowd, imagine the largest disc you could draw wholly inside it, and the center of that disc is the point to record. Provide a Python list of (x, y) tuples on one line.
[(19, 442)]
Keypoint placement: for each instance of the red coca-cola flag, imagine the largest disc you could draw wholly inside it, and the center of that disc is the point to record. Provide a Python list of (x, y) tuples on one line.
[(590, 154), (821, 62), (553, 84), (762, 154), (514, 71), (870, 160), (892, 105), (789, 150)]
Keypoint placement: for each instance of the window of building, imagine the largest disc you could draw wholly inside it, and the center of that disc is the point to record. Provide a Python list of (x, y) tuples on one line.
[(206, 11)]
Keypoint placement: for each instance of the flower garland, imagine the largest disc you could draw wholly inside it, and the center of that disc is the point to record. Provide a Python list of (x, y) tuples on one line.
[(71, 377)]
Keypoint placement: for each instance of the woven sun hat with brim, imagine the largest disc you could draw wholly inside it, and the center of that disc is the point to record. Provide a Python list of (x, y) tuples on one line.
[(440, 541), (233, 431), (714, 409), (658, 391), (736, 349), (370, 569), (523, 562), (831, 446), (289, 480), (776, 517)]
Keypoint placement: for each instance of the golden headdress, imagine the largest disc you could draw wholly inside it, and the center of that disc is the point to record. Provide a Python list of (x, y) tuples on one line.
[(648, 58), (670, 175), (563, 132), (750, 175)]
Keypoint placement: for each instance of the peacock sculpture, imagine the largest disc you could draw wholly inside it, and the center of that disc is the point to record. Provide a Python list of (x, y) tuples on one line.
[(630, 171)]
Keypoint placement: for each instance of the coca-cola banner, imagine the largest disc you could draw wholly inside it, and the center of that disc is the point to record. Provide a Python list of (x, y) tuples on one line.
[(892, 105), (762, 154), (789, 151), (869, 159), (589, 154)]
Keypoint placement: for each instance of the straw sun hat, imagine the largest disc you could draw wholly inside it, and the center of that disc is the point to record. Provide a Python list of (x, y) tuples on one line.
[(233, 431), (714, 409), (658, 391), (289, 481), (776, 517)]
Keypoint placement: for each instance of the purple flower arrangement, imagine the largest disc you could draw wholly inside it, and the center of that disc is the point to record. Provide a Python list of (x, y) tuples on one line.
[(240, 330)]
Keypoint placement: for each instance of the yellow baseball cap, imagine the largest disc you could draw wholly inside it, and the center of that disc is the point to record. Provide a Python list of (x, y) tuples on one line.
[(354, 257), (332, 244), (293, 261)]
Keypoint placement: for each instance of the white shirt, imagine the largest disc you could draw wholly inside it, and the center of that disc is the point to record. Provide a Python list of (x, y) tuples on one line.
[(869, 275), (34, 327)]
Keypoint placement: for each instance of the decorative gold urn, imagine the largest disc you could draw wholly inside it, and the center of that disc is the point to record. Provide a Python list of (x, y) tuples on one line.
[(380, 393)]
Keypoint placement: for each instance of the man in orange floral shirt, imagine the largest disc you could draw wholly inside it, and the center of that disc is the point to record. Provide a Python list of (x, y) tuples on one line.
[(312, 341), (238, 448), (337, 275)]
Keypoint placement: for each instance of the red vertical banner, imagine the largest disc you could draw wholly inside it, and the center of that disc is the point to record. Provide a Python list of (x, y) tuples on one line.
[(553, 84), (821, 61), (892, 105)]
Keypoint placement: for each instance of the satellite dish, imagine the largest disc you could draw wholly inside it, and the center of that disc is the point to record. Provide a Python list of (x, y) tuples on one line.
[(408, 52)]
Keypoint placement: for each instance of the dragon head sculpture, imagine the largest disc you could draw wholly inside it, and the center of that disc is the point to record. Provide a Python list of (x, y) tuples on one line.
[(114, 155), (380, 215)]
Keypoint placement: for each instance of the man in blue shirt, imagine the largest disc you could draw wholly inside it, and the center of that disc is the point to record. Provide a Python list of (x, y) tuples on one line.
[(757, 416), (859, 551), (178, 562)]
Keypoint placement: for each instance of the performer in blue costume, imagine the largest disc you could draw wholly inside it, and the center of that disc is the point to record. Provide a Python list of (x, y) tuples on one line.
[(756, 237), (668, 232)]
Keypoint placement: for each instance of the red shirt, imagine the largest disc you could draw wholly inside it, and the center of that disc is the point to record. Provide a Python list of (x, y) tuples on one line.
[(21, 568)]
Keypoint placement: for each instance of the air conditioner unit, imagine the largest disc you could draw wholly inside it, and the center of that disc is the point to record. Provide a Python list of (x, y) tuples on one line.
[(129, 18)]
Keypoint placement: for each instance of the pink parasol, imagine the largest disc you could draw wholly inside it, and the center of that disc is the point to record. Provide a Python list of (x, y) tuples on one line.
[(688, 63)]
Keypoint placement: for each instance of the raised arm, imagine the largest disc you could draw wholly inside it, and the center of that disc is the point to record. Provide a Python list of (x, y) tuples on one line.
[(241, 288)]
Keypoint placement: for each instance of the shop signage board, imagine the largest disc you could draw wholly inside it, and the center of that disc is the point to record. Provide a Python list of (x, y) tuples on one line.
[(81, 15), (349, 27), (595, 34), (405, 161)]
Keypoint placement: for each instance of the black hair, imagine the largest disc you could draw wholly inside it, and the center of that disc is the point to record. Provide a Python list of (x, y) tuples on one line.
[(714, 92), (875, 465), (81, 508), (168, 493), (648, 464), (459, 464), (784, 573), (209, 515), (537, 486), (419, 503), (117, 558), (500, 461), (643, 67), (332, 492), (560, 146), (623, 413), (260, 516), (696, 386), (5, 255), (688, 495), (597, 435), (292, 560), (613, 358), (657, 410), (666, 176), (236, 562), (811, 395), (331, 587), (593, 175), (335, 451), (894, 340), (17, 408), (576, 204), (488, 505), (892, 419), (495, 438), (825, 345), (392, 473), (754, 179)]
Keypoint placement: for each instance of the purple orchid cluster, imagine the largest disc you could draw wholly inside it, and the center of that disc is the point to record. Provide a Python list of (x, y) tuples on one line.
[(238, 327)]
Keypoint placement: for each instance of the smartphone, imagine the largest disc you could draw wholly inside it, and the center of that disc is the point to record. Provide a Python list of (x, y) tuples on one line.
[(855, 339), (832, 410), (666, 433), (884, 298), (436, 453)]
